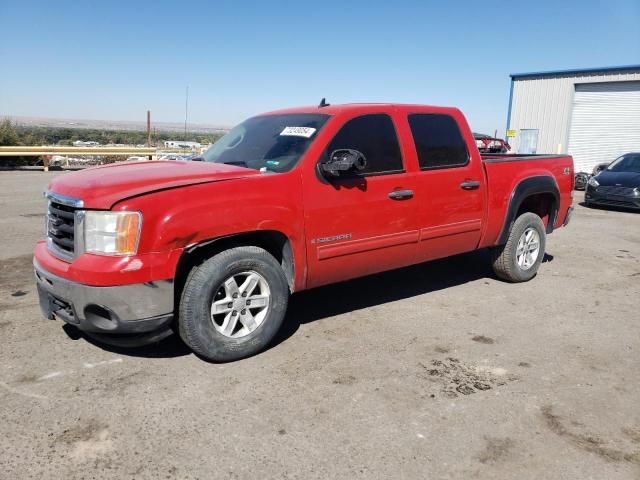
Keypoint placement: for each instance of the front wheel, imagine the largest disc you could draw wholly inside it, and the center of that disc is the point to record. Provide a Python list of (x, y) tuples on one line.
[(233, 304), (518, 260)]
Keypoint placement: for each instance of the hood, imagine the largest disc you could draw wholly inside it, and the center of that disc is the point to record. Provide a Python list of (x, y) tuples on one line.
[(102, 187), (619, 179)]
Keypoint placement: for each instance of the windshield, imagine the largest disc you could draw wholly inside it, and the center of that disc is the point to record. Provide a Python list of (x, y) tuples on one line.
[(271, 142), (626, 163)]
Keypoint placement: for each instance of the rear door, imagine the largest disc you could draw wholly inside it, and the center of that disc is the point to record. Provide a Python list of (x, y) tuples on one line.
[(364, 222), (451, 186)]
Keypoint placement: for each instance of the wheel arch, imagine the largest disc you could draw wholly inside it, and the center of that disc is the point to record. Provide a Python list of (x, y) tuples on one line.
[(540, 195), (273, 241)]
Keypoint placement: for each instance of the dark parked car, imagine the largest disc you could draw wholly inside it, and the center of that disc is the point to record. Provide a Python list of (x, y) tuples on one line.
[(618, 185)]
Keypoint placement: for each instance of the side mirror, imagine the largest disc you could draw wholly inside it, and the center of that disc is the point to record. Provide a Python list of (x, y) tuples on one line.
[(344, 160), (197, 159)]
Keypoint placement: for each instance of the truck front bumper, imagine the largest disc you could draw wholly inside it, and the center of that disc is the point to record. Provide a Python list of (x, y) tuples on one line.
[(126, 315)]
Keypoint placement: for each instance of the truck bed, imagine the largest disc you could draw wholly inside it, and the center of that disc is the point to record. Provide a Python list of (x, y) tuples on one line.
[(503, 173), (513, 157)]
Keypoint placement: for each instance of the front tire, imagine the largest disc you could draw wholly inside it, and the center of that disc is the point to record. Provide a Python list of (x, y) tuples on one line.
[(518, 260), (233, 304)]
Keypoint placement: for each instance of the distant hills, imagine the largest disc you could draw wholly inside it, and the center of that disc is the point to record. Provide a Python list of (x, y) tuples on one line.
[(115, 124)]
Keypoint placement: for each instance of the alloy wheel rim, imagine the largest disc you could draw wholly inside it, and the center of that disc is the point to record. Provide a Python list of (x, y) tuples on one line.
[(528, 248), (240, 304)]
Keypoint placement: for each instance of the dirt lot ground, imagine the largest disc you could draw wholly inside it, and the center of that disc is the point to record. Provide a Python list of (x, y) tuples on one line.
[(435, 371)]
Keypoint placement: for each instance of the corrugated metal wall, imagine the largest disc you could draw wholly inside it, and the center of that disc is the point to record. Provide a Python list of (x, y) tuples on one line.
[(545, 103), (605, 123)]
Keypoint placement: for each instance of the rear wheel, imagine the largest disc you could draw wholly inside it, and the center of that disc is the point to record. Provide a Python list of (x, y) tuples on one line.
[(518, 260), (233, 304)]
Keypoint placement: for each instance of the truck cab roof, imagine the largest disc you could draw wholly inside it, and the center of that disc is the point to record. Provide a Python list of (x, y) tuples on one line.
[(362, 108)]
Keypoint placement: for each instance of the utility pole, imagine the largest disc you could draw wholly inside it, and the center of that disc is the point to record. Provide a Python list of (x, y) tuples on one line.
[(186, 113), (149, 131), (148, 128)]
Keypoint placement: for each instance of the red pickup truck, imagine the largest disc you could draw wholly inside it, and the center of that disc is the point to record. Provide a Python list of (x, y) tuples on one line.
[(286, 201)]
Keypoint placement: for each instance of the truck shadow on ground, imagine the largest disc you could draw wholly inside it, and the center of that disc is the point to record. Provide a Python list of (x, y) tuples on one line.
[(331, 300), (169, 347), (336, 299)]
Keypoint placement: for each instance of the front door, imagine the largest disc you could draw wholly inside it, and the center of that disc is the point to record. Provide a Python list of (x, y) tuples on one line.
[(450, 187), (360, 222)]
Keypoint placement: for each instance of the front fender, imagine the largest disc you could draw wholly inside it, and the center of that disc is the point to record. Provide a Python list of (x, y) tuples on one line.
[(182, 217)]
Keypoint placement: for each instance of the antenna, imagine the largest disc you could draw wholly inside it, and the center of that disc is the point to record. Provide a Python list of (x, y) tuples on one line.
[(323, 103)]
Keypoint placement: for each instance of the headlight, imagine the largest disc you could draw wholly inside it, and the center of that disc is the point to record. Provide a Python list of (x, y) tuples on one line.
[(112, 233), (593, 182), (636, 191)]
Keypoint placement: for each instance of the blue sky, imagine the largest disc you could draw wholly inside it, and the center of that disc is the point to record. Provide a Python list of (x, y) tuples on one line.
[(114, 60)]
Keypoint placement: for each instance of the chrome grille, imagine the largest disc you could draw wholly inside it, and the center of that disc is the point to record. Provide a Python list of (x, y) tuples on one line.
[(61, 225), (613, 190)]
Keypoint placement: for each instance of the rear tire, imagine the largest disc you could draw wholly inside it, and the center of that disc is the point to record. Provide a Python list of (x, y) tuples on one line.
[(216, 317), (518, 260)]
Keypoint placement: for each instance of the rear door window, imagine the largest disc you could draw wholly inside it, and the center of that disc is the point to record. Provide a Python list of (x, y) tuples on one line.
[(438, 140)]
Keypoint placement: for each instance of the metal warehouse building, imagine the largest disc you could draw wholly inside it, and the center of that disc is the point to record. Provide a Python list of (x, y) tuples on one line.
[(592, 114)]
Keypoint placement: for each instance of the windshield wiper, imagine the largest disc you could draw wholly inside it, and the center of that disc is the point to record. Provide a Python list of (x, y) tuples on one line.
[(239, 163)]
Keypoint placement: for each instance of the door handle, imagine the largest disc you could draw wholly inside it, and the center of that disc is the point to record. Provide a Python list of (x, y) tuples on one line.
[(470, 185), (400, 194)]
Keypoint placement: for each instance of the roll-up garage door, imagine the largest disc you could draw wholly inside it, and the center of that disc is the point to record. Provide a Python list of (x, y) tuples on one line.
[(605, 123)]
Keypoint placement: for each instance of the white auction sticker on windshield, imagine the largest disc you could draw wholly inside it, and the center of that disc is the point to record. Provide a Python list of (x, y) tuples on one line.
[(306, 132)]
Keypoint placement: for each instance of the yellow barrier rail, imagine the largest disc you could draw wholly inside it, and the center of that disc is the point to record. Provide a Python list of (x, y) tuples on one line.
[(21, 151)]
